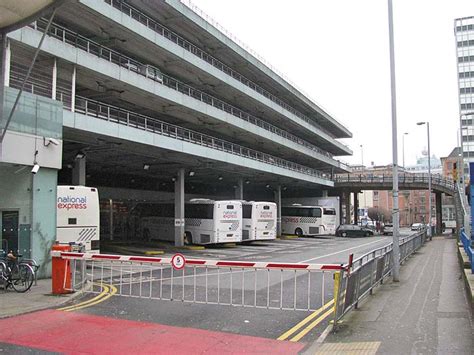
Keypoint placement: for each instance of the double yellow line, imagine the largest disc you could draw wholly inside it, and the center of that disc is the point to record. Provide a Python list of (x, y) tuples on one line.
[(107, 292), (321, 314)]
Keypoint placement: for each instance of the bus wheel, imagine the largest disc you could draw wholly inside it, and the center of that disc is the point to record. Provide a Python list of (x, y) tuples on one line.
[(298, 232), (343, 234), (188, 238)]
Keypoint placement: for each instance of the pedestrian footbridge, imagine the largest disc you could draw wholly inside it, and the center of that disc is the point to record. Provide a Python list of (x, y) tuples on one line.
[(376, 182)]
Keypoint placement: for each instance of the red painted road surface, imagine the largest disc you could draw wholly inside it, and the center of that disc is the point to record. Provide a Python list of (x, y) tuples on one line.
[(69, 332)]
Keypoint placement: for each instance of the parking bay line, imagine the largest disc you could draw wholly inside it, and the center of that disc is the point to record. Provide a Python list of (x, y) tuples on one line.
[(340, 251)]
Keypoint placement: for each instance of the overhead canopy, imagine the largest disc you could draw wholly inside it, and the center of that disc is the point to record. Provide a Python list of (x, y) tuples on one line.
[(17, 13)]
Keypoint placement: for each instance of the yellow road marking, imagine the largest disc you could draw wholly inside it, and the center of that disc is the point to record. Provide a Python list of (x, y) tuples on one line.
[(113, 291), (306, 320), (104, 291), (312, 325), (107, 292)]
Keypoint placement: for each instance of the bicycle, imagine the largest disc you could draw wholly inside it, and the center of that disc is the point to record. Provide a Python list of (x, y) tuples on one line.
[(16, 274)]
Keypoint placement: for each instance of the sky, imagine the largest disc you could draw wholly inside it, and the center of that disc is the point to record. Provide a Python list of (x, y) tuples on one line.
[(337, 52)]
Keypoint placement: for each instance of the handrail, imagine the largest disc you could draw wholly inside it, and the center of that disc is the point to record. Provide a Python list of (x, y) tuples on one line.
[(467, 244), (118, 115), (177, 39), (83, 43), (121, 116)]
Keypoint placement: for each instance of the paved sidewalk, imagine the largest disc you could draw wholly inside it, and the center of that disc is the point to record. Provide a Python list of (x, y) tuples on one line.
[(426, 312), (36, 298)]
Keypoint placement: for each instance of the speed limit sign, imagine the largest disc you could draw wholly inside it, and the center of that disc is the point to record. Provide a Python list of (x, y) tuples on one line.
[(178, 261)]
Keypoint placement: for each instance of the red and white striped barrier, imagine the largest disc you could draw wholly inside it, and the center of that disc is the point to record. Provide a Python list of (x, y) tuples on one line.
[(198, 262)]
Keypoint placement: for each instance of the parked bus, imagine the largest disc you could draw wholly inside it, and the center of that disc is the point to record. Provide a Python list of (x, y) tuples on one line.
[(302, 220), (78, 217), (206, 221), (329, 221), (259, 220)]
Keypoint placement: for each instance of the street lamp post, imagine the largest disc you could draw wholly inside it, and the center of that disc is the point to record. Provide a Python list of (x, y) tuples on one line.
[(395, 211), (362, 155), (429, 176), (403, 148)]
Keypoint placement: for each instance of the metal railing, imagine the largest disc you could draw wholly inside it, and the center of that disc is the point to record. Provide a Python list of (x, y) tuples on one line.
[(467, 244), (83, 43), (282, 286), (118, 115), (369, 270), (180, 41), (463, 209), (402, 179)]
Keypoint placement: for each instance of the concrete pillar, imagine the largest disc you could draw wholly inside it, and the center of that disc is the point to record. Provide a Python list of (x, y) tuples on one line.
[(179, 209), (439, 213), (356, 206), (341, 201), (239, 191), (55, 79), (73, 89), (79, 172), (278, 203), (347, 201), (325, 193)]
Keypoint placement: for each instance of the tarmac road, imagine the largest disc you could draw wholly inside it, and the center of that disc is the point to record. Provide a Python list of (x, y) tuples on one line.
[(202, 322)]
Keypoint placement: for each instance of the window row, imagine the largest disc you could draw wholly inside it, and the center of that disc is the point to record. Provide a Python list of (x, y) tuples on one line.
[(466, 59), (468, 74), (464, 28), (468, 43), (469, 90)]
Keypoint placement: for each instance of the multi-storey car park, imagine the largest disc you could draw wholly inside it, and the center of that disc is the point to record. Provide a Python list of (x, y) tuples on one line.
[(156, 103)]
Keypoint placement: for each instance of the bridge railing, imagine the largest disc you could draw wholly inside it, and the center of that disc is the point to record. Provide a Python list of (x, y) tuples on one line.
[(402, 179)]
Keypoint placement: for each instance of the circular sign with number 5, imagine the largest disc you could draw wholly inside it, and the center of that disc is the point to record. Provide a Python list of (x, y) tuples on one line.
[(178, 261)]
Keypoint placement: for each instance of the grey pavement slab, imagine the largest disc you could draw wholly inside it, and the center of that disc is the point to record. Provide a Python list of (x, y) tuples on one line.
[(37, 297), (426, 312)]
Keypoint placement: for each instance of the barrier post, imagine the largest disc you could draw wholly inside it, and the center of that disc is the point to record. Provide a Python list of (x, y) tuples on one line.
[(61, 272), (337, 285)]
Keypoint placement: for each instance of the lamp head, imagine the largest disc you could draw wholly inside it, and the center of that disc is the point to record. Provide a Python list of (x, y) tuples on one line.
[(420, 123)]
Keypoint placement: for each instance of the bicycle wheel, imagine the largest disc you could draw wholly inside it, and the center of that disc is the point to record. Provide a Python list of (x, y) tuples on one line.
[(22, 277)]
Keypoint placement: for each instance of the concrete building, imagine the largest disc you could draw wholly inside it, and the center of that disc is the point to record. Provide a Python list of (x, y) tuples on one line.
[(464, 35), (150, 96)]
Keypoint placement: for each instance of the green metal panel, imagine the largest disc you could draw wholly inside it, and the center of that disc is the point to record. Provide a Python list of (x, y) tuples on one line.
[(24, 240)]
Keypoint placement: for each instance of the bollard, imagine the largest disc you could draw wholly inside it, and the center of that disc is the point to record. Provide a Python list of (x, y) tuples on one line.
[(61, 272)]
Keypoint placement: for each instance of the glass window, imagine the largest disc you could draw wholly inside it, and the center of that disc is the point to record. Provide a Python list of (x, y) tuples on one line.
[(247, 211)]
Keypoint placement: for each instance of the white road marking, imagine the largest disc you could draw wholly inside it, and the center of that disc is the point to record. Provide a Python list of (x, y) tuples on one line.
[(341, 251)]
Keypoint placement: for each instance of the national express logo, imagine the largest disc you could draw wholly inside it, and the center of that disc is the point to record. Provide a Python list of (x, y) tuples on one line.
[(230, 214), (72, 203)]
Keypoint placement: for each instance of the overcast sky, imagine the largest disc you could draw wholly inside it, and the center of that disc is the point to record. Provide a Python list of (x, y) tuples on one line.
[(337, 52)]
